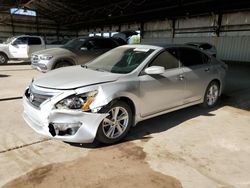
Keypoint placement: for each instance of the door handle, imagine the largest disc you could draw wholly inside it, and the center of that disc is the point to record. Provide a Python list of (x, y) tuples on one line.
[(181, 77), (207, 69)]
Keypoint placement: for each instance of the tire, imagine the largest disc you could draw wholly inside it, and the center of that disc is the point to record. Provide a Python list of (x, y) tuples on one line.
[(3, 59), (111, 130), (211, 97), (62, 64)]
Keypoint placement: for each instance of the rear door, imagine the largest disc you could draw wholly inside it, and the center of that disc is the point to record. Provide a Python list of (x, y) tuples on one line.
[(196, 71), (35, 44), (161, 92)]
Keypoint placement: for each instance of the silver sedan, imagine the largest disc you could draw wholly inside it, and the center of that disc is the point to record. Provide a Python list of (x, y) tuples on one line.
[(104, 98)]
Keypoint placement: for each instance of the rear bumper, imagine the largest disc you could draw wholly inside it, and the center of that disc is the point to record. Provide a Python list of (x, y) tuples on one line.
[(40, 120)]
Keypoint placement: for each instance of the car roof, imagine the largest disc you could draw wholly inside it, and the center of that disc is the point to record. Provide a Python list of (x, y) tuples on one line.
[(26, 36), (142, 46), (159, 46)]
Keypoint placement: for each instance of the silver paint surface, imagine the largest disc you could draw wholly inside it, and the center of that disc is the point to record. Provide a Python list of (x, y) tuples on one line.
[(151, 95)]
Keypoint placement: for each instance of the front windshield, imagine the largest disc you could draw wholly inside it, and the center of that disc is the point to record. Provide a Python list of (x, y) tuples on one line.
[(74, 44), (120, 60)]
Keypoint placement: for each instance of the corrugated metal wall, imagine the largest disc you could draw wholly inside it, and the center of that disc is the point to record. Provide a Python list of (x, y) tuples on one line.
[(229, 48), (14, 25), (233, 42)]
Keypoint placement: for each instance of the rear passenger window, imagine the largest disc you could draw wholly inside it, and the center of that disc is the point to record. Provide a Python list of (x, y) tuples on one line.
[(97, 44), (21, 40), (166, 60), (206, 59), (108, 43), (190, 57), (34, 41)]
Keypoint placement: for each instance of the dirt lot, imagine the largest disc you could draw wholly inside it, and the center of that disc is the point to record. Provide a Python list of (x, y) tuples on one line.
[(193, 147)]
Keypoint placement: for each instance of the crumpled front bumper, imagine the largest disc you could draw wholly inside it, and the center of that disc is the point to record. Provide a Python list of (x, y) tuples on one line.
[(41, 119)]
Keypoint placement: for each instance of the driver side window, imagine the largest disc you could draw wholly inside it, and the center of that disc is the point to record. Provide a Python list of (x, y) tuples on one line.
[(166, 60), (21, 40)]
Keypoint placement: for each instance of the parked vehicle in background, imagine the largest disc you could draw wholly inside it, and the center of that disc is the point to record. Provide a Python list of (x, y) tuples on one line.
[(105, 97), (21, 47), (209, 48), (76, 51), (61, 42), (129, 36)]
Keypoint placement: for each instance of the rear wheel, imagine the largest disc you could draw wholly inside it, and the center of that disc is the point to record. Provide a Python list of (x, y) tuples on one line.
[(212, 95), (116, 125), (3, 58), (62, 64)]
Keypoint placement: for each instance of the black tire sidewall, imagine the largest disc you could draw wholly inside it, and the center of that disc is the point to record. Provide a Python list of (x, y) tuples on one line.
[(61, 63), (5, 57), (101, 137), (205, 103)]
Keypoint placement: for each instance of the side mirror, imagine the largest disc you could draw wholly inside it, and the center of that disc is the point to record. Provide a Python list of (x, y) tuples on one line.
[(154, 70), (84, 49)]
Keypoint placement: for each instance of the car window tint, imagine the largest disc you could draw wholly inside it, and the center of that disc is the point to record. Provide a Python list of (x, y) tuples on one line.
[(166, 60), (205, 46), (34, 41), (173, 52), (206, 58), (21, 40), (96, 44), (190, 57), (109, 43)]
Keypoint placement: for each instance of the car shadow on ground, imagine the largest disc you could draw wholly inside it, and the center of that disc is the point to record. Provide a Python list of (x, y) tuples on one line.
[(144, 129), (4, 75), (14, 63), (237, 95)]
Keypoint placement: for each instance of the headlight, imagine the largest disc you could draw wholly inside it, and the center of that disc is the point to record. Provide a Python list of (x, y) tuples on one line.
[(82, 101), (45, 57)]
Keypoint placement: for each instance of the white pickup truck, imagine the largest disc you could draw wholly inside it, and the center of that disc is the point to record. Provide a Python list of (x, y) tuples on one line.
[(21, 47)]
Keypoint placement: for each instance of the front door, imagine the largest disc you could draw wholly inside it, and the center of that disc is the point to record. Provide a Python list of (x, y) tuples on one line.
[(162, 92), (19, 48)]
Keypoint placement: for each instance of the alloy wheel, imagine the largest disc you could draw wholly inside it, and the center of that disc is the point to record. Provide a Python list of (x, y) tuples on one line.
[(116, 123), (2, 59), (212, 94)]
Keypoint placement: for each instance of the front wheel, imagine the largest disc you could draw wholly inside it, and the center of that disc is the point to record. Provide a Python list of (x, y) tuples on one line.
[(212, 95), (116, 125)]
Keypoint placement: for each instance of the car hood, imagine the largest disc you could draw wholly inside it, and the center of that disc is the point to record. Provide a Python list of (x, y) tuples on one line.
[(74, 77), (2, 45), (53, 51)]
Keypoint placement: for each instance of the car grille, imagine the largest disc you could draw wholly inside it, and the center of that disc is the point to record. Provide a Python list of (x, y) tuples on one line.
[(36, 99)]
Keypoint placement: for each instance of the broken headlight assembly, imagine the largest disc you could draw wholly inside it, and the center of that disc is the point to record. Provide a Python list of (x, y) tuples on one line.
[(77, 102)]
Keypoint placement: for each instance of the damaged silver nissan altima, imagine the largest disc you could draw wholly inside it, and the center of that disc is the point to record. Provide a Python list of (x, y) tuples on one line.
[(105, 97)]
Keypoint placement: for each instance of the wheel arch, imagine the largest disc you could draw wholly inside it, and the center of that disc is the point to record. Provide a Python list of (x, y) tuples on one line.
[(219, 82), (71, 61), (1, 52), (128, 101)]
